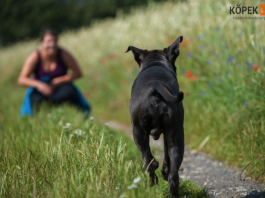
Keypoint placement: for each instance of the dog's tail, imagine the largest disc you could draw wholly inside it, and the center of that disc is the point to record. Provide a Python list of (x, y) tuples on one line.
[(163, 91)]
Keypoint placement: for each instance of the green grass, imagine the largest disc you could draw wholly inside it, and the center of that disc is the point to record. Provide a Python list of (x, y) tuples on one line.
[(57, 153), (224, 106)]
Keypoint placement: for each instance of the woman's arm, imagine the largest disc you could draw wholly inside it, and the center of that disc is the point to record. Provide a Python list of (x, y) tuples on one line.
[(27, 69), (25, 80), (70, 63)]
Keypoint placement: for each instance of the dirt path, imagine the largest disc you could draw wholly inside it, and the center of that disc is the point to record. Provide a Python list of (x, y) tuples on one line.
[(220, 180)]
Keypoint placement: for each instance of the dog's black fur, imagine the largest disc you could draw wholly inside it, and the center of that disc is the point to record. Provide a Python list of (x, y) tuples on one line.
[(156, 108)]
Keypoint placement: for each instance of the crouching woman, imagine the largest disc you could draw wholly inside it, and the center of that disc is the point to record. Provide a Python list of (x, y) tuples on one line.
[(51, 80)]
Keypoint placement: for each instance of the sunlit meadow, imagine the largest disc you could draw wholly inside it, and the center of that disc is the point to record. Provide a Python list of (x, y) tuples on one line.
[(220, 69), (58, 153)]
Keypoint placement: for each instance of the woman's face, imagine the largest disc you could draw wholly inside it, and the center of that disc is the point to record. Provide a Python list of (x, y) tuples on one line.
[(49, 44)]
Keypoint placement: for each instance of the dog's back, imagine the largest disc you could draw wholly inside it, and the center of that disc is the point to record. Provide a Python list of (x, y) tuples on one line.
[(149, 107)]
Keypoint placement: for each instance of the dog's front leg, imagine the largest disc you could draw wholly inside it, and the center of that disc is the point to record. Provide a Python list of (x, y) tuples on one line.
[(140, 138)]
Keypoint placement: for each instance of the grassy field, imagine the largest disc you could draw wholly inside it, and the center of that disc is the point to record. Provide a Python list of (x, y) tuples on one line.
[(220, 68), (59, 154)]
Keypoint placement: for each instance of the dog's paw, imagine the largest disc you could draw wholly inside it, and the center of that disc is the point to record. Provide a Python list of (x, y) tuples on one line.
[(165, 177), (154, 179), (164, 173), (155, 164)]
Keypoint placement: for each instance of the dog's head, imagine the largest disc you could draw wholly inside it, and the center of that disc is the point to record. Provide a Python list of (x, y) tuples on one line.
[(170, 53)]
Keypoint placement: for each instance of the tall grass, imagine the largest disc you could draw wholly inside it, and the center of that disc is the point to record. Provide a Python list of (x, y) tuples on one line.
[(224, 102), (59, 154)]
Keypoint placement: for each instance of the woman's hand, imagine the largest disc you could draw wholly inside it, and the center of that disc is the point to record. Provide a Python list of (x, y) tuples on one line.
[(56, 82), (44, 88)]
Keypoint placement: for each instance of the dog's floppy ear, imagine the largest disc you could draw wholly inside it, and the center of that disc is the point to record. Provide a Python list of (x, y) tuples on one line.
[(172, 51), (138, 54)]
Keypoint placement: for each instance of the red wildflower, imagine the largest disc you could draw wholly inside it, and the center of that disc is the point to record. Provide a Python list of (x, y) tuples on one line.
[(188, 74), (194, 77), (261, 83), (112, 56), (184, 92), (255, 67), (103, 60)]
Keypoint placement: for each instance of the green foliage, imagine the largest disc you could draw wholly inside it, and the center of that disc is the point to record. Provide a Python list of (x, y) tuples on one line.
[(57, 154), (223, 105), (187, 188), (25, 19)]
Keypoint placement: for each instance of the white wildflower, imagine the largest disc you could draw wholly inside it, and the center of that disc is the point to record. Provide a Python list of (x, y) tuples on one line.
[(107, 124), (79, 132), (137, 180), (133, 186), (67, 126), (91, 118)]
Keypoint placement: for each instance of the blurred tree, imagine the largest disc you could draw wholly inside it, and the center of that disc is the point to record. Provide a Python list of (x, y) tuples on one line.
[(25, 19)]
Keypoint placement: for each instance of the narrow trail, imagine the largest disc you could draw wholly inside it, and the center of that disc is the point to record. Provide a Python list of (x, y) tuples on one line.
[(220, 180)]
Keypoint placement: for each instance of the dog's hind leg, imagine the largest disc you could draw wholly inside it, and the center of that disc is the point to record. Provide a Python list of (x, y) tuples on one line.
[(166, 162), (154, 162), (175, 150), (140, 138)]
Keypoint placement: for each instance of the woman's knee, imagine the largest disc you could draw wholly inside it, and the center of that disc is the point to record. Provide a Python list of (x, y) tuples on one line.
[(36, 98), (64, 93)]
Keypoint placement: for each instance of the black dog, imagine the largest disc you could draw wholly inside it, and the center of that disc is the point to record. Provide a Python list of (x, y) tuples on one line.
[(156, 108)]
